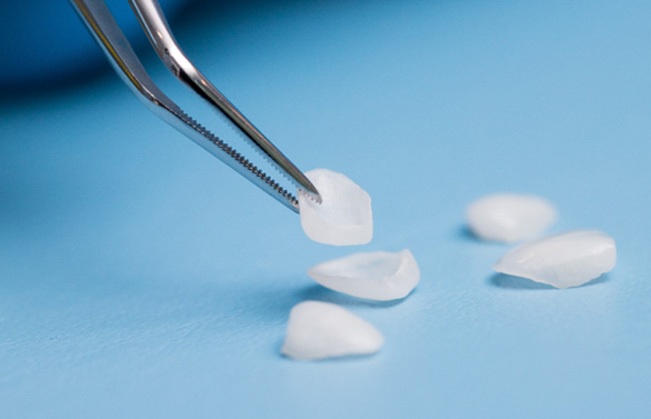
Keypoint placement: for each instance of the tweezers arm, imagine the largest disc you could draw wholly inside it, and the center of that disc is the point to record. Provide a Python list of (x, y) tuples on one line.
[(155, 26), (106, 31), (126, 63)]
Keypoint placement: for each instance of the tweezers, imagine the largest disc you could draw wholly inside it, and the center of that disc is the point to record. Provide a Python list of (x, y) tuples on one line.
[(107, 33)]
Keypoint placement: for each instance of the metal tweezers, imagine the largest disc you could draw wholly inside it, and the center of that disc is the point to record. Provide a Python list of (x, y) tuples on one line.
[(106, 31)]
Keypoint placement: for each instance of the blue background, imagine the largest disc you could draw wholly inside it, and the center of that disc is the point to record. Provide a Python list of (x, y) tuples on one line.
[(43, 44), (140, 277)]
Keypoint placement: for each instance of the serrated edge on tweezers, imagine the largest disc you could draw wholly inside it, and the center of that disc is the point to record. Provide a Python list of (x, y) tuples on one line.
[(240, 159)]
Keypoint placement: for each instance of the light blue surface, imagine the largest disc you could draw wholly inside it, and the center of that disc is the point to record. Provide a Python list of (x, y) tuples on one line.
[(139, 277)]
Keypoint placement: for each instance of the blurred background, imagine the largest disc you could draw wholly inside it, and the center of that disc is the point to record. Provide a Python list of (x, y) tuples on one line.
[(140, 277), (46, 46)]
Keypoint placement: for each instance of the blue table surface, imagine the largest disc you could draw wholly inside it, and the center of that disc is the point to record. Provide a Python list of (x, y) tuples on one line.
[(140, 277)]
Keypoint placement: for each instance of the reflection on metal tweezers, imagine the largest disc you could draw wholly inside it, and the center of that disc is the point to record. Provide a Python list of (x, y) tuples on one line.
[(106, 31)]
